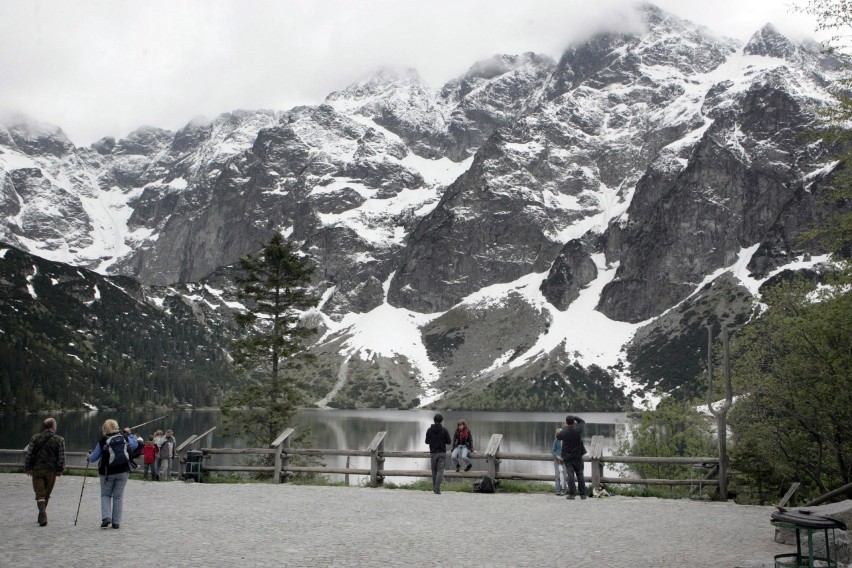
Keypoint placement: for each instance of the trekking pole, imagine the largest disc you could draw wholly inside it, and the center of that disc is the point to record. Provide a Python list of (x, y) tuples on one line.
[(85, 477), (146, 423)]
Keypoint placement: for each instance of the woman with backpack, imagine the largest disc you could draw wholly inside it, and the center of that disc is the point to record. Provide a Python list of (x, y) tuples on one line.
[(112, 453)]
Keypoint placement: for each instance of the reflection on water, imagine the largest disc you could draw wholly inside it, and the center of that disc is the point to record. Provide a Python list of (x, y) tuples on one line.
[(523, 432)]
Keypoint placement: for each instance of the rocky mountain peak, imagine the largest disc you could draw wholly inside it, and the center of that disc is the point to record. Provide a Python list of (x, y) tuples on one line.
[(144, 141), (33, 137), (769, 42)]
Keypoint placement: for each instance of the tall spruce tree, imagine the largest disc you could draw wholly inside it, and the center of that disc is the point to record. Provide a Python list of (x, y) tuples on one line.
[(274, 290)]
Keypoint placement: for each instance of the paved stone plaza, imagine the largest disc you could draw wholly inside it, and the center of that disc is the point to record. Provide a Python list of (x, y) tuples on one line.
[(230, 525)]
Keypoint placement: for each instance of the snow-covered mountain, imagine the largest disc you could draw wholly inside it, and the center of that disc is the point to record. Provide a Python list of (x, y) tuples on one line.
[(531, 222)]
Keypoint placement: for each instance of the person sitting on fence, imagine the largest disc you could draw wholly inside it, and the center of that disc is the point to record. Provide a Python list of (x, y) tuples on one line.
[(462, 446), (556, 450)]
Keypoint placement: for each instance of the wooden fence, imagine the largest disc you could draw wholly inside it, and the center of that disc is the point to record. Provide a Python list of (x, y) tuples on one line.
[(493, 457)]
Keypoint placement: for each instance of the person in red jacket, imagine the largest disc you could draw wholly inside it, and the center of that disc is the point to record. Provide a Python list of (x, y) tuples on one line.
[(149, 452)]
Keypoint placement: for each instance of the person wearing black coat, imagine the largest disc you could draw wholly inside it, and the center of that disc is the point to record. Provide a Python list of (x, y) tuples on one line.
[(572, 454), (437, 437)]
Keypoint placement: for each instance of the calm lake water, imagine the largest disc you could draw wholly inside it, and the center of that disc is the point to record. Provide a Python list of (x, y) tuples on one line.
[(523, 432)]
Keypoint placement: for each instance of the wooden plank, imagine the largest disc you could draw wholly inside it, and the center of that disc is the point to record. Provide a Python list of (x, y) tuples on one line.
[(651, 459), (281, 437), (492, 462), (186, 443), (237, 451), (596, 451), (793, 488), (595, 454), (493, 445), (376, 462), (377, 441), (632, 481)]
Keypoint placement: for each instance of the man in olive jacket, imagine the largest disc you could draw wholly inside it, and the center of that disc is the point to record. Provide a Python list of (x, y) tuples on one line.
[(44, 462), (572, 454)]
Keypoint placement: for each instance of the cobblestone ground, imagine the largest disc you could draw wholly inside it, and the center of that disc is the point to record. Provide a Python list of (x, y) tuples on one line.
[(225, 525)]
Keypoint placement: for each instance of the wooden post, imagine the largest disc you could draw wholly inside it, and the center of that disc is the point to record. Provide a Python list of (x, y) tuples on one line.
[(596, 452), (281, 442), (346, 476), (720, 413), (377, 462), (492, 461)]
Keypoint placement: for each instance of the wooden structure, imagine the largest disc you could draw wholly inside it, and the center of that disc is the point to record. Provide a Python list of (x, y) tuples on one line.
[(492, 457), (493, 460)]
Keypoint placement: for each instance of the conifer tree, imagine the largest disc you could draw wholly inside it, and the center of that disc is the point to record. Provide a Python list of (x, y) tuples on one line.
[(274, 290)]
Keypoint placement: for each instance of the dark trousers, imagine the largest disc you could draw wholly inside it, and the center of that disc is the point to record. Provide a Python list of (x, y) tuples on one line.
[(438, 461), (575, 467), (43, 481)]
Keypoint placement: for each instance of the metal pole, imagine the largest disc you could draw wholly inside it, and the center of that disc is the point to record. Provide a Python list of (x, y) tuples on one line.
[(85, 477), (146, 423)]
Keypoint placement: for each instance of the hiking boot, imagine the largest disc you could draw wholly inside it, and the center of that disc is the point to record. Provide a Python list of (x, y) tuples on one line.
[(470, 465), (42, 513), (105, 522), (115, 525), (582, 496), (570, 497), (458, 468)]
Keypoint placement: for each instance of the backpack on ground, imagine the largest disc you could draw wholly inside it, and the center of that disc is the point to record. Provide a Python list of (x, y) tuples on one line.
[(116, 446), (485, 485)]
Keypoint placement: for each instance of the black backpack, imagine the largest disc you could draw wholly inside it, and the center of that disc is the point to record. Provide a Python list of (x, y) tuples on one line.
[(485, 485), (116, 450)]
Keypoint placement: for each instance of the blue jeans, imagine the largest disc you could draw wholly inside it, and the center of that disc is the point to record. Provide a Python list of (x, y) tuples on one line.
[(150, 467), (460, 455), (112, 496), (575, 467), (558, 472), (438, 461)]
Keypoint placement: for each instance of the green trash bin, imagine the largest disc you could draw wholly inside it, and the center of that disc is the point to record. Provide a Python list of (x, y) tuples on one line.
[(806, 522), (193, 466)]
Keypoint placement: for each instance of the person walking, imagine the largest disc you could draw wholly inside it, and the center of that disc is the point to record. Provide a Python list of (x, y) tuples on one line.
[(437, 437), (462, 446), (166, 455), (44, 462), (149, 453), (573, 450), (112, 452), (556, 450)]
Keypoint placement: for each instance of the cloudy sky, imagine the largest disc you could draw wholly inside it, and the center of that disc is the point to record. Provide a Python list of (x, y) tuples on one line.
[(105, 67)]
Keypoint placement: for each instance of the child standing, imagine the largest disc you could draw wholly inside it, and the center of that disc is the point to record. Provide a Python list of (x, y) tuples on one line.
[(149, 450)]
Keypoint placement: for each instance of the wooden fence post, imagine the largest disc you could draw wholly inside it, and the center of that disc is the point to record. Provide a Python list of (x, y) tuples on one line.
[(377, 462), (281, 442), (596, 452), (492, 462), (721, 413)]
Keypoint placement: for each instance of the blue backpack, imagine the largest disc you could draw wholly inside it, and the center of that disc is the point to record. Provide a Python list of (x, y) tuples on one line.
[(116, 446)]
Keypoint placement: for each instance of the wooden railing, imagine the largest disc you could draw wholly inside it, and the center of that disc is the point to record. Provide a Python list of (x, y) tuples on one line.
[(492, 456)]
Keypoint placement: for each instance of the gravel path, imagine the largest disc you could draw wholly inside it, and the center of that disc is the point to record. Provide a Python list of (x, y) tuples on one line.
[(231, 525)]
